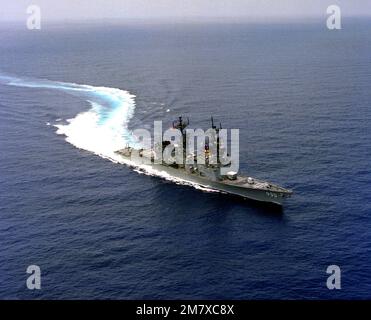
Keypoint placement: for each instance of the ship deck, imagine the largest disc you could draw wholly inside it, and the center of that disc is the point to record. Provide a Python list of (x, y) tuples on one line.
[(257, 184), (241, 181)]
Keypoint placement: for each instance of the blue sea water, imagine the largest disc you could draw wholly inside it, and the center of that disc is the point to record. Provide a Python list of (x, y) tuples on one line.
[(70, 94)]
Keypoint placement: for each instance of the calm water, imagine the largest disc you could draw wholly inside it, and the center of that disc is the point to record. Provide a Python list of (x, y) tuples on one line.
[(300, 95)]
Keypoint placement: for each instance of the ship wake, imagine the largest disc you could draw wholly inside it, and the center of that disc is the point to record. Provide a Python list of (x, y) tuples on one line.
[(103, 128)]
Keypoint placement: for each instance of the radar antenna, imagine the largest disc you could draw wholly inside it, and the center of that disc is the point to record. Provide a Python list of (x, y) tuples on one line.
[(180, 124), (212, 123)]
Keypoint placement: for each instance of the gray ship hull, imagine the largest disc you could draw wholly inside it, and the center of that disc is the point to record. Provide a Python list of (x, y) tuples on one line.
[(259, 194)]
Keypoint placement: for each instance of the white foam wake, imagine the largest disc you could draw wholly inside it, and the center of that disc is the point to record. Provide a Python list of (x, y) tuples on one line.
[(103, 128)]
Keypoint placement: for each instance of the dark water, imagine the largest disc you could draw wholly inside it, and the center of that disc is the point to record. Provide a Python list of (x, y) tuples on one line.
[(300, 95)]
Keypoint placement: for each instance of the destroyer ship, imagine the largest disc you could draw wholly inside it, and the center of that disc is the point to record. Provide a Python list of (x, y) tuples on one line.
[(207, 175)]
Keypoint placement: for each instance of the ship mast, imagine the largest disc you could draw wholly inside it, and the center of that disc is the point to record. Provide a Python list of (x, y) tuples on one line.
[(181, 125), (217, 137)]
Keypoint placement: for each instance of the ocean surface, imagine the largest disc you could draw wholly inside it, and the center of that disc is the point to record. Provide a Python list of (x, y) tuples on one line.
[(71, 94)]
